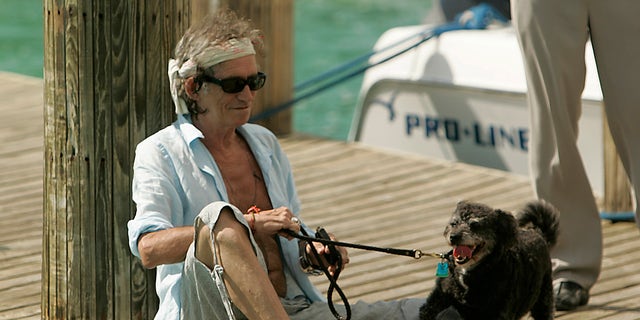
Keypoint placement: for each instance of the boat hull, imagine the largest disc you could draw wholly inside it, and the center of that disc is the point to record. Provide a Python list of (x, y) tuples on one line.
[(442, 101)]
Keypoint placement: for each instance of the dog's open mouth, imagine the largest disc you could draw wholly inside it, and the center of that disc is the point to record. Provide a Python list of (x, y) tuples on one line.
[(462, 254)]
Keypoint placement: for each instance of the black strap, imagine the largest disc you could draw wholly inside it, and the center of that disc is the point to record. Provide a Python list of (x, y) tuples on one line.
[(333, 279)]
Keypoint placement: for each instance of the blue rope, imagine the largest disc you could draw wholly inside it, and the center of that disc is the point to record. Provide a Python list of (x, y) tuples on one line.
[(288, 104), (353, 63), (618, 216), (478, 17)]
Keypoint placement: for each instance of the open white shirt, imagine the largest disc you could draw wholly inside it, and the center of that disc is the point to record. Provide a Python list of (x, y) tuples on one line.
[(175, 176)]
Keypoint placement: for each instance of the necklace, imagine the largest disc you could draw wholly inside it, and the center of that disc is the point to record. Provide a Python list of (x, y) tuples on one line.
[(236, 196)]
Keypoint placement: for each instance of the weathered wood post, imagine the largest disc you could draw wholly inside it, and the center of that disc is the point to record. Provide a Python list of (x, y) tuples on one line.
[(106, 89), (200, 8), (275, 19), (617, 198)]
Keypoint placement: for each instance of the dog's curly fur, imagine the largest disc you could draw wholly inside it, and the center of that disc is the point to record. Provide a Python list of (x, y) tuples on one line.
[(500, 266)]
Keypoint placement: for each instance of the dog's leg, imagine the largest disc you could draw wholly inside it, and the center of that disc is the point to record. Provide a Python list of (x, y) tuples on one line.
[(449, 314), (543, 308), (436, 303)]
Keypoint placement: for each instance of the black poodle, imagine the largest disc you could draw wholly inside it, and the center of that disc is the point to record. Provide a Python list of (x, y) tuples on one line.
[(499, 267)]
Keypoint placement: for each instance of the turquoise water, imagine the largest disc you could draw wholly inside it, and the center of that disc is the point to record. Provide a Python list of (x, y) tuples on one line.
[(327, 33), (21, 36)]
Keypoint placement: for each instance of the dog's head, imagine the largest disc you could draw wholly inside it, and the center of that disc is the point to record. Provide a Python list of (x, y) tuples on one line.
[(475, 231)]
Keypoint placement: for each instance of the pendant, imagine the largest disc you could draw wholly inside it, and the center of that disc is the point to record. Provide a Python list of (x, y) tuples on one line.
[(442, 270)]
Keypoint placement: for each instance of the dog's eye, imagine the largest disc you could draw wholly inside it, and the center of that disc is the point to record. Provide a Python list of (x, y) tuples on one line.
[(474, 223)]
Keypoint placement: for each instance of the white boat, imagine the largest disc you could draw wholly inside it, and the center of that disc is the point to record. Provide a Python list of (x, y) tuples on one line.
[(461, 96)]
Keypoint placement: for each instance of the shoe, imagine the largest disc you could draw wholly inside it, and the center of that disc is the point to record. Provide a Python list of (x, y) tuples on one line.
[(569, 295)]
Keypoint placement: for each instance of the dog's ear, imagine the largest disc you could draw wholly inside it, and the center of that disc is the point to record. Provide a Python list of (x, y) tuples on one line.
[(506, 227), (461, 203)]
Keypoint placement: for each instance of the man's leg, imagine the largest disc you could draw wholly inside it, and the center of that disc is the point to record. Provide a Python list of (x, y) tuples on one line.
[(552, 35), (612, 27), (405, 309), (245, 278)]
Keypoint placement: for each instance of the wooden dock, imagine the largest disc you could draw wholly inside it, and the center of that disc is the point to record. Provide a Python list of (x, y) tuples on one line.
[(362, 195)]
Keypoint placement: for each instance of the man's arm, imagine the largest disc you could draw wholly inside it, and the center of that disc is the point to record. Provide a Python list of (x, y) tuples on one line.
[(165, 246)]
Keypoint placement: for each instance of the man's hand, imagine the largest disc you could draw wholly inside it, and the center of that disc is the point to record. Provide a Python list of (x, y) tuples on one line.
[(326, 251), (270, 222)]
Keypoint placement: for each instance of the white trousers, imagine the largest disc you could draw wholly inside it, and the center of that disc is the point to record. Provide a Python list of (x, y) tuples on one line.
[(552, 35)]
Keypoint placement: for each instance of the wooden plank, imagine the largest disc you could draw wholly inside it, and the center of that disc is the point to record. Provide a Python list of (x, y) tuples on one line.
[(436, 191), (363, 195)]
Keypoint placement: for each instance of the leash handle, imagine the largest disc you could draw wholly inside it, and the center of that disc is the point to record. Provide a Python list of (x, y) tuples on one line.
[(333, 258)]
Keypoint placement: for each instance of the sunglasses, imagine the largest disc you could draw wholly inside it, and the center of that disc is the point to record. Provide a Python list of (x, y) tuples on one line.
[(235, 85)]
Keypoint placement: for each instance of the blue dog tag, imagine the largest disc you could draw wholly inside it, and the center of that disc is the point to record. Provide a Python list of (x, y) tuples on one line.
[(443, 270)]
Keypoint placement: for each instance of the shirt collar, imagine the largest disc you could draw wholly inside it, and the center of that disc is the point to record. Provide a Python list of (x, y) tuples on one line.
[(189, 131)]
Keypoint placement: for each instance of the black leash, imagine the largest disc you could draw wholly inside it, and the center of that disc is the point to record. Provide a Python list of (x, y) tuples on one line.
[(416, 254), (336, 260)]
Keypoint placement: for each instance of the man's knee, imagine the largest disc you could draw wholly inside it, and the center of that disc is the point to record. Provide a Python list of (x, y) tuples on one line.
[(227, 232)]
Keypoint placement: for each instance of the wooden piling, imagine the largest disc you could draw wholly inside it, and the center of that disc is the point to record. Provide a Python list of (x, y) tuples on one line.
[(618, 197), (105, 90)]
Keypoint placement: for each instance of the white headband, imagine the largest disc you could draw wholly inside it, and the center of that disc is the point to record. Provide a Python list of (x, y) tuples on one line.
[(210, 56)]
